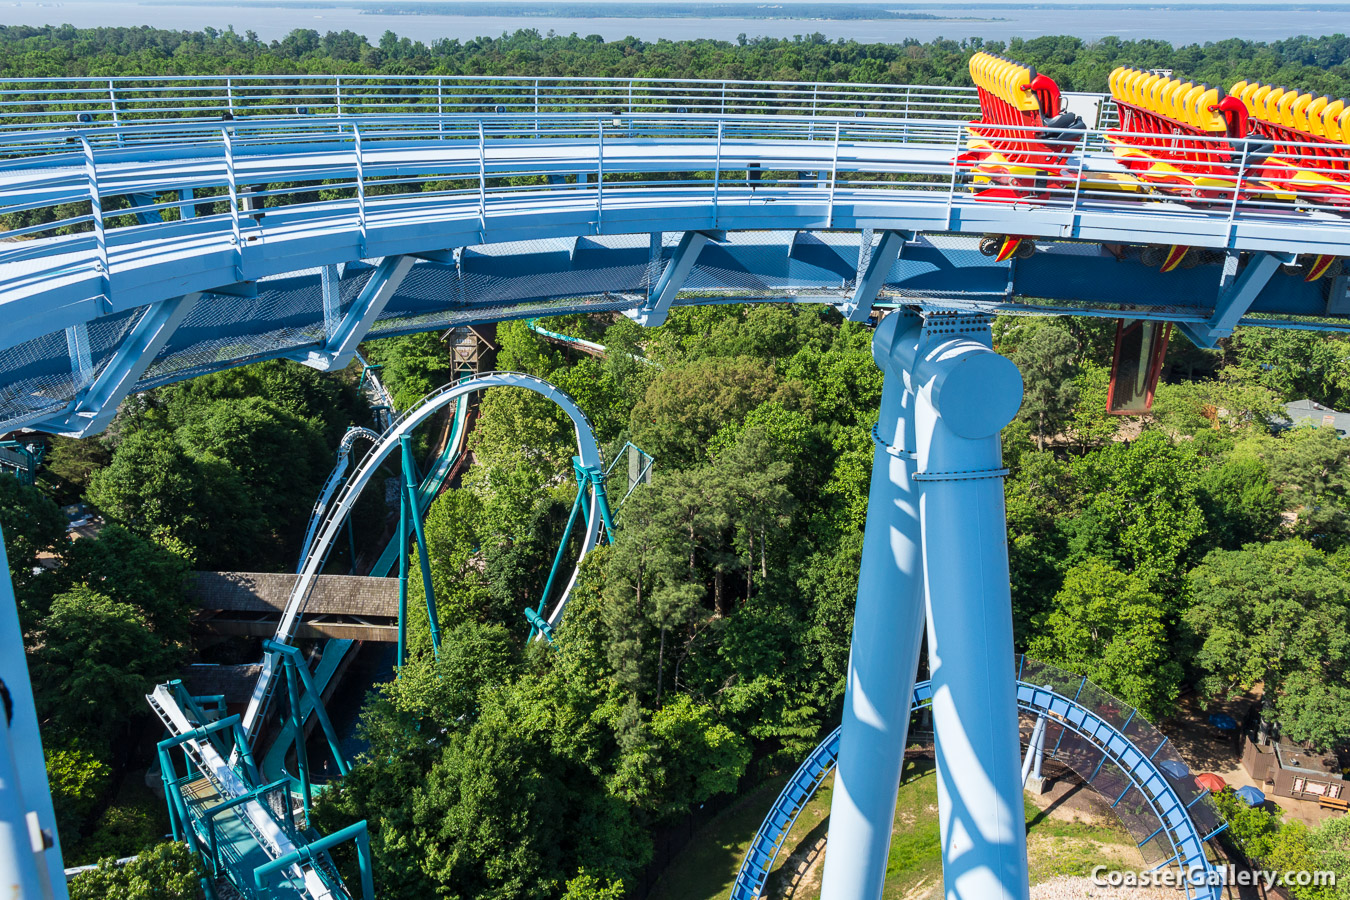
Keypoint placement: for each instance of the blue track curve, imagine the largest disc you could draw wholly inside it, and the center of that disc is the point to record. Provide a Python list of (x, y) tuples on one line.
[(1178, 826), (161, 260), (506, 215)]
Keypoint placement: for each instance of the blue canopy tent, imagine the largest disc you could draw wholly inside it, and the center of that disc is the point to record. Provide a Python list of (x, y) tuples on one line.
[(1174, 768)]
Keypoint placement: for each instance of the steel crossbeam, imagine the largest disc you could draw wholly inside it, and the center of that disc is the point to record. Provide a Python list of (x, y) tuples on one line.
[(657, 308), (873, 275), (96, 405), (1239, 292), (338, 352)]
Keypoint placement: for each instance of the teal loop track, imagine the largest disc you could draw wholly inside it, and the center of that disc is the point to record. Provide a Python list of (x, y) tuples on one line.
[(339, 509)]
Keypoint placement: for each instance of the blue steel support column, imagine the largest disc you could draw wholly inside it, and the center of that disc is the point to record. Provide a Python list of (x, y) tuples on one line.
[(887, 631), (966, 394), (30, 851)]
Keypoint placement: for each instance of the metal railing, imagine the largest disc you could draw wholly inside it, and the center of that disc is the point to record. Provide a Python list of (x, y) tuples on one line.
[(126, 100), (113, 190)]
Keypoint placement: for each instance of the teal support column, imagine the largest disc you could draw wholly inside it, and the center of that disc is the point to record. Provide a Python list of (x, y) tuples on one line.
[(403, 573), (245, 755), (297, 723), (966, 393), (887, 634), (602, 501), (410, 483), (583, 486), (557, 560), (167, 776), (298, 666)]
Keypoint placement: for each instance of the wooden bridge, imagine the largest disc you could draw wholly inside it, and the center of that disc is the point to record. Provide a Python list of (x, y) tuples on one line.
[(340, 606)]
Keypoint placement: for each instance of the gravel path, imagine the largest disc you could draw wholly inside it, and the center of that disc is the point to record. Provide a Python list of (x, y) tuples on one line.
[(1066, 888)]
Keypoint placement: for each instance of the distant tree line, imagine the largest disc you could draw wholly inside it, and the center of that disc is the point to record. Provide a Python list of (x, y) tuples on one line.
[(1316, 64)]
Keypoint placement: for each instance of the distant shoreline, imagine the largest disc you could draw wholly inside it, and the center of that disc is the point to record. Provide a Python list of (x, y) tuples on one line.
[(745, 9), (562, 9)]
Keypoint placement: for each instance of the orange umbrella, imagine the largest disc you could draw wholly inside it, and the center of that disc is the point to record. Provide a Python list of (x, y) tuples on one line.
[(1210, 782)]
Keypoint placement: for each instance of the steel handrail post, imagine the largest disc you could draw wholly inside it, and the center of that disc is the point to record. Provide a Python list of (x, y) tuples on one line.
[(600, 173), (536, 107), (233, 186), (229, 95), (815, 97), (112, 104), (482, 177), (717, 170), (951, 189), (1237, 186), (337, 93), (96, 211), (440, 103), (1078, 182), (834, 177), (360, 184)]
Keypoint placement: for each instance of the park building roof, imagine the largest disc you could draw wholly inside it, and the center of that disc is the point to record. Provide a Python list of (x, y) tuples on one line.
[(1310, 412)]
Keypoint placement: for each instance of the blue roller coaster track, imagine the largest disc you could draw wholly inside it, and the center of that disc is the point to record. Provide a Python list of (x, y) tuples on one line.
[(1172, 824), (205, 243), (157, 229)]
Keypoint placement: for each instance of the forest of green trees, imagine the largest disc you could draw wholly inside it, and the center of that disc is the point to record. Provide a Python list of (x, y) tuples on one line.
[(1198, 548), (1315, 64)]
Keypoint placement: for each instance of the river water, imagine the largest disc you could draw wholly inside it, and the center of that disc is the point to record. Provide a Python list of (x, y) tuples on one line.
[(1176, 26)]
